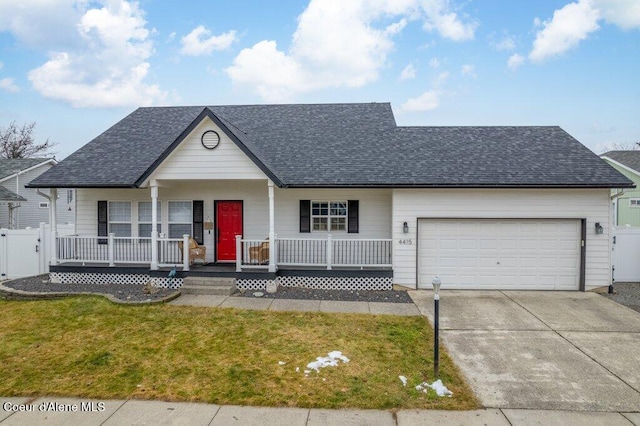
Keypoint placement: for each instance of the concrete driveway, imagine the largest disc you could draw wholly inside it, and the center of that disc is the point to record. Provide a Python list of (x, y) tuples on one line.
[(542, 350)]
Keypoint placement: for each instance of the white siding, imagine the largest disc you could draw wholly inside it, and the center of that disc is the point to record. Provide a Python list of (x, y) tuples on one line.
[(192, 161), (30, 214), (593, 205), (374, 211)]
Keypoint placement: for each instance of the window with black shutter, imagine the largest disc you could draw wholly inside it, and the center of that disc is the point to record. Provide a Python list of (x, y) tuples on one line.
[(198, 221), (103, 221), (354, 213), (305, 216)]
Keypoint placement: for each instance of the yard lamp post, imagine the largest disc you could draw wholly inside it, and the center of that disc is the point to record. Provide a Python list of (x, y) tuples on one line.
[(437, 282)]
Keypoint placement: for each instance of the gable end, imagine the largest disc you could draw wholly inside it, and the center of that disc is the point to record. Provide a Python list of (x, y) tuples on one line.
[(206, 112)]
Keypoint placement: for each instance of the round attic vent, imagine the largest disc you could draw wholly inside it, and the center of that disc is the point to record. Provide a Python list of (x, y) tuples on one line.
[(210, 139)]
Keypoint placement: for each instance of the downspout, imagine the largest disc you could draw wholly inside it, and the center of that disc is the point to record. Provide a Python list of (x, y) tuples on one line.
[(42, 194), (614, 198), (11, 207)]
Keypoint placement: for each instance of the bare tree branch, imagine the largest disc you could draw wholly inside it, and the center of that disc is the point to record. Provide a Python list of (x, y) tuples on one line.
[(17, 142)]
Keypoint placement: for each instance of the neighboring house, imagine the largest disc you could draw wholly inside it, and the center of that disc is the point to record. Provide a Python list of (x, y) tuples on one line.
[(347, 199), (15, 173), (626, 203)]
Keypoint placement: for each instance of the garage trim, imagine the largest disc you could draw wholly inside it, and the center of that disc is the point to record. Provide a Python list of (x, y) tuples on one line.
[(583, 240)]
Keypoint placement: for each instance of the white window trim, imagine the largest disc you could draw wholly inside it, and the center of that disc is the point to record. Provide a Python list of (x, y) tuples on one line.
[(169, 223), (109, 221), (139, 222), (637, 203), (329, 216)]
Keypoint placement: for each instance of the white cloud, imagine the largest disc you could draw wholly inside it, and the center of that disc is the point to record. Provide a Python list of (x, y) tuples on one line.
[(339, 44), (42, 24), (515, 61), (171, 37), (274, 74), (623, 13), (434, 63), (9, 85), (427, 101), (569, 25), (201, 42), (576, 21), (468, 70), (508, 43), (430, 99), (408, 73), (109, 68), (441, 18)]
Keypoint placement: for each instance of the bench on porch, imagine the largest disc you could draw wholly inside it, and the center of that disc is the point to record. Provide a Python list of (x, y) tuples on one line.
[(195, 251)]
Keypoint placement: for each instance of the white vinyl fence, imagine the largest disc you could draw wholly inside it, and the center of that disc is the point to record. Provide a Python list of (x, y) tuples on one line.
[(25, 252), (626, 254)]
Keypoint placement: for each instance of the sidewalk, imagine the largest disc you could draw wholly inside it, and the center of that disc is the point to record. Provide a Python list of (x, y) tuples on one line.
[(376, 308), (66, 411)]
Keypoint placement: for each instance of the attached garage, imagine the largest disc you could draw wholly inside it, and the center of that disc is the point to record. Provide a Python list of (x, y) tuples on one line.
[(510, 254)]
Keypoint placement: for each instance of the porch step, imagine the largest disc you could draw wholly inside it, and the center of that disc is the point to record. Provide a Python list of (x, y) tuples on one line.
[(221, 286)]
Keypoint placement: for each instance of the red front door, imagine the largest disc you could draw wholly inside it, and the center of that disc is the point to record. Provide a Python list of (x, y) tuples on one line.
[(229, 224)]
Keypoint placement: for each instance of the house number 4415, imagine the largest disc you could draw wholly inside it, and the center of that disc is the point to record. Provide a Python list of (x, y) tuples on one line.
[(406, 241)]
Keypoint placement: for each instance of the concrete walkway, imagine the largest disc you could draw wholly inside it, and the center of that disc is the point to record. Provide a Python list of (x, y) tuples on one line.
[(66, 411), (376, 308)]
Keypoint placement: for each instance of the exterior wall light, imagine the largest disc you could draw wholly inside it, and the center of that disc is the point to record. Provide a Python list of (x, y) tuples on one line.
[(405, 228), (599, 229)]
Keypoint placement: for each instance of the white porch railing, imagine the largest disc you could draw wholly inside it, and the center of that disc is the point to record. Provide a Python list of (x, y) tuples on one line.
[(326, 253), (123, 250)]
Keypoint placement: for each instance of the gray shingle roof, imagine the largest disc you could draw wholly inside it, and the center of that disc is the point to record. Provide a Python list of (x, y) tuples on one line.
[(332, 145), (630, 159), (6, 195), (10, 166)]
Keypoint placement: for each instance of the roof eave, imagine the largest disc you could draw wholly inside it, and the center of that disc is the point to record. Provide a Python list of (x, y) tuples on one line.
[(465, 186), (74, 186)]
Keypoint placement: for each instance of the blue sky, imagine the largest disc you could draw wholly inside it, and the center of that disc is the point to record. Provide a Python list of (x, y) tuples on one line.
[(78, 66)]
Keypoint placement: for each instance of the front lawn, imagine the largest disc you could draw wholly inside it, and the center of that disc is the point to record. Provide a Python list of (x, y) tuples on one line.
[(91, 348)]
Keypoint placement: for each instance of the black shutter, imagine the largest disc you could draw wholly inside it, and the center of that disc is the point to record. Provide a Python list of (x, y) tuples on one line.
[(198, 219), (305, 216), (103, 221), (353, 212)]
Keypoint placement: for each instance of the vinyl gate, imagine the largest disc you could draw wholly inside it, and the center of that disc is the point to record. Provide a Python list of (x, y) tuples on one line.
[(25, 252), (626, 254)]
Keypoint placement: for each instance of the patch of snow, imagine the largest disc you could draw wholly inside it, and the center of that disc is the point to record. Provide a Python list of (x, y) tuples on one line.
[(403, 380), (331, 360), (437, 386), (297, 369), (281, 363)]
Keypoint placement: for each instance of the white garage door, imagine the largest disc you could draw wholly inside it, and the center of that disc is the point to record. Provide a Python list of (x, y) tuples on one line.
[(528, 254)]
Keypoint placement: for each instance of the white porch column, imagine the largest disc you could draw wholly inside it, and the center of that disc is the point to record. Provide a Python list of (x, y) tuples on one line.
[(272, 229), (185, 252), (53, 223), (154, 226)]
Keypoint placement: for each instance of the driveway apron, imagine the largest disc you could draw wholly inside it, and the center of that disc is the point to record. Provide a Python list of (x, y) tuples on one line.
[(542, 350)]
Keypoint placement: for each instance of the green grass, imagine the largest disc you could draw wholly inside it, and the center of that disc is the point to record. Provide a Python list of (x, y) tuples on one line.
[(88, 347)]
